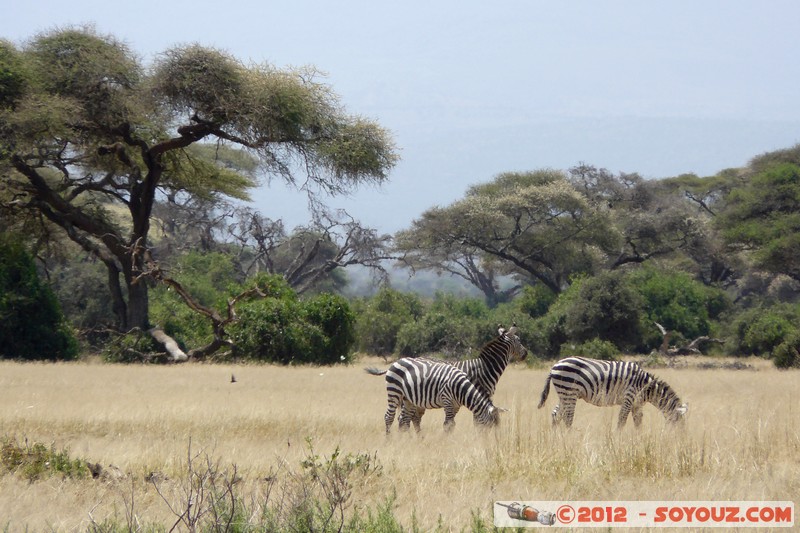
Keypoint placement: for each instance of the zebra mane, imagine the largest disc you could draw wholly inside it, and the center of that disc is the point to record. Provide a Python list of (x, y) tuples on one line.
[(661, 394), (503, 334)]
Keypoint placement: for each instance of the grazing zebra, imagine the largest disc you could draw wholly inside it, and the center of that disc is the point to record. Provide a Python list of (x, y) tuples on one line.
[(484, 371), (427, 384), (605, 383)]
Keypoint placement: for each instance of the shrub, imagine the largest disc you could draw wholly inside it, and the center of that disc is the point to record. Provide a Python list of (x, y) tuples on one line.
[(178, 320), (594, 349), (549, 331), (380, 318), (209, 279), (787, 353), (606, 308), (273, 330), (535, 300), (281, 328), (31, 323), (36, 461), (677, 302), (337, 321), (461, 307), (759, 330), (434, 332)]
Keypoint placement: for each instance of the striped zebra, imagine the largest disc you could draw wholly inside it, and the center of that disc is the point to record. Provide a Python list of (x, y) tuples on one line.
[(484, 371), (605, 383), (425, 384)]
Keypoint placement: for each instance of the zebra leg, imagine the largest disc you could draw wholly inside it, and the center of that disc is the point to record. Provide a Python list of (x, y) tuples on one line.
[(450, 412), (394, 402), (555, 415), (407, 413), (623, 414), (417, 418), (569, 410)]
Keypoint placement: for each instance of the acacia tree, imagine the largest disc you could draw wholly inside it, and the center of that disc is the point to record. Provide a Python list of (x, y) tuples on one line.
[(715, 262), (762, 218), (429, 245), (533, 225), (90, 137)]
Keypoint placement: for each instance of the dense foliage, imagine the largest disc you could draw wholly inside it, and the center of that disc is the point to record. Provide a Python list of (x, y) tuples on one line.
[(31, 324), (279, 327), (97, 150)]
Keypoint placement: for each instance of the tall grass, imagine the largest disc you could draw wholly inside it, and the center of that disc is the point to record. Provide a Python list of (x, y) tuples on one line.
[(278, 426)]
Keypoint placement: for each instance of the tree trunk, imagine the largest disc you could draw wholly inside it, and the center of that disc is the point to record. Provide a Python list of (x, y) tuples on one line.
[(118, 306), (133, 313), (138, 316)]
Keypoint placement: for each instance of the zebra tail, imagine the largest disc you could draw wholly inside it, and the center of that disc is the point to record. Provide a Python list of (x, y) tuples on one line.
[(545, 392), (374, 371)]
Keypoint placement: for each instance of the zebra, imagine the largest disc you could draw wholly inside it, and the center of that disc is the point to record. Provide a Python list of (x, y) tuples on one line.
[(605, 383), (484, 371), (424, 384)]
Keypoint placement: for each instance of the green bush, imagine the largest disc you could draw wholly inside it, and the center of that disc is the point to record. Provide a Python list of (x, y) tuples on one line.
[(284, 329), (337, 321), (606, 308), (273, 330), (787, 353), (31, 323), (549, 331), (535, 300), (677, 302), (35, 461), (380, 318), (767, 331), (759, 330), (457, 306), (434, 332), (170, 312), (209, 279), (594, 349)]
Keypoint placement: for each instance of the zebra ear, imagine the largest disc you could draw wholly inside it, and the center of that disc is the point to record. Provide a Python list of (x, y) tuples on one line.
[(501, 409), (682, 409), (512, 330)]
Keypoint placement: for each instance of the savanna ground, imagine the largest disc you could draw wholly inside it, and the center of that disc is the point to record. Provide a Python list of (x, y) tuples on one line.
[(741, 442)]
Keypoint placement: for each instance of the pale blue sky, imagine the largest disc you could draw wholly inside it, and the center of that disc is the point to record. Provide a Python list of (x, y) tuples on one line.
[(471, 88)]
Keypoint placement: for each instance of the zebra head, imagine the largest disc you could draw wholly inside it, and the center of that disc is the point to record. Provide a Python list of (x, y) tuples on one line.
[(679, 414), (516, 351), (488, 417), (660, 394)]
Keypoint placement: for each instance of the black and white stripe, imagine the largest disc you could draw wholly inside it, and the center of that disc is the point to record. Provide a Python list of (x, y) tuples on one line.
[(422, 384), (484, 371), (605, 383)]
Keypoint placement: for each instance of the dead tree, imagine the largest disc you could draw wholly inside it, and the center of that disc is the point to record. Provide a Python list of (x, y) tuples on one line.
[(310, 253), (692, 348), (218, 322)]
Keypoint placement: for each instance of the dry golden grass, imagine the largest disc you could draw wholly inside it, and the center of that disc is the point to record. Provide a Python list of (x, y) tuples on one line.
[(741, 442)]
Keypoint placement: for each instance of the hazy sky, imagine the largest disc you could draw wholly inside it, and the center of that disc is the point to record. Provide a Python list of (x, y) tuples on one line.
[(470, 89)]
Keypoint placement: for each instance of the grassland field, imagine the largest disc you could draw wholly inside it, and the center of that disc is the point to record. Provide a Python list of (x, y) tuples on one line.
[(741, 440)]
